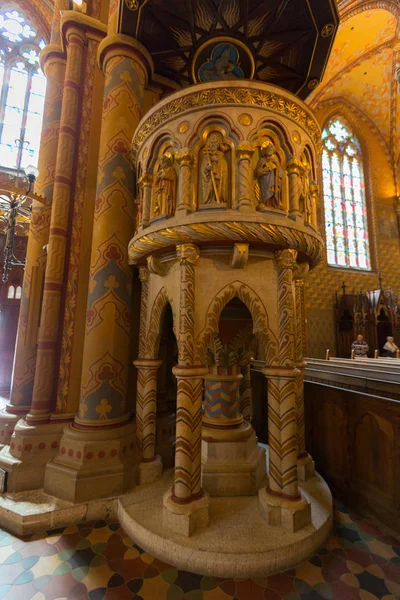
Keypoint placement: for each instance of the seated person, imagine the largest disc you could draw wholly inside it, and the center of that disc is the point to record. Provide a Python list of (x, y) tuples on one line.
[(360, 347), (390, 348)]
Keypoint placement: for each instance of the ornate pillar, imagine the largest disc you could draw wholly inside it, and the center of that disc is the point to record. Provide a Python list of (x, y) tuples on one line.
[(305, 464), (186, 505), (244, 154), (293, 171), (281, 502), (46, 368), (146, 400), (146, 408), (232, 463), (185, 162), (53, 64), (314, 190), (146, 183), (104, 420)]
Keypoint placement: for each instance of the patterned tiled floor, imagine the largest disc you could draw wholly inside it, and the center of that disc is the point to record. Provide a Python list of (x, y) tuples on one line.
[(98, 561)]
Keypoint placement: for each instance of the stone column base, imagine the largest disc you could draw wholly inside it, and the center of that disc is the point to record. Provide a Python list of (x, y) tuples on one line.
[(31, 448), (292, 515), (149, 471), (8, 421), (305, 468), (232, 467), (93, 464), (185, 519)]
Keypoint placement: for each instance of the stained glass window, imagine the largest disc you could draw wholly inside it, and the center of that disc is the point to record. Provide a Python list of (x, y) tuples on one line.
[(346, 229), (22, 86)]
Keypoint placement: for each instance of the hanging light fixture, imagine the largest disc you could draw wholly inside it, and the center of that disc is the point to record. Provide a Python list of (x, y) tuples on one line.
[(15, 210)]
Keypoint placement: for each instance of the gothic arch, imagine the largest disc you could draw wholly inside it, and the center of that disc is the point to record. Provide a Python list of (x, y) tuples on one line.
[(238, 289), (156, 319)]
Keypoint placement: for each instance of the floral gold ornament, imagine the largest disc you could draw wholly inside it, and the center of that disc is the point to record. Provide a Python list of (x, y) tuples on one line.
[(296, 137), (327, 30), (312, 84), (183, 127), (254, 97), (245, 119), (132, 4)]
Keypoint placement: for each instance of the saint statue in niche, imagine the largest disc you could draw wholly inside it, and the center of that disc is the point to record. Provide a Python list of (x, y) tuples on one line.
[(269, 174), (306, 198), (214, 171), (165, 187)]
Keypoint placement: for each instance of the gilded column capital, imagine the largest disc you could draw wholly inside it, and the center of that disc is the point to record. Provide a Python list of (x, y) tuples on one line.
[(286, 259), (143, 274), (293, 166), (245, 151), (146, 179), (184, 158), (300, 273), (188, 253)]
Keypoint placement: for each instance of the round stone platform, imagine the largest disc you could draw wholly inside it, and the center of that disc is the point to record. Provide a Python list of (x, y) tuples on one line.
[(238, 543)]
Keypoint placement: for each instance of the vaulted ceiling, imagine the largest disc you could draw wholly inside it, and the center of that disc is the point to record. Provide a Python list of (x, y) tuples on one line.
[(267, 40), (361, 71), (361, 68)]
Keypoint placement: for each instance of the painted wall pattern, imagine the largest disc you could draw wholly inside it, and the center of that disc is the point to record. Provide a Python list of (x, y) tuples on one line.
[(107, 338), (75, 260)]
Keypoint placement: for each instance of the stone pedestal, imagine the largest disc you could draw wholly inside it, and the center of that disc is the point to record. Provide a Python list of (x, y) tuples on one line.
[(149, 471), (292, 515), (305, 467), (185, 519), (232, 462), (93, 464), (30, 449)]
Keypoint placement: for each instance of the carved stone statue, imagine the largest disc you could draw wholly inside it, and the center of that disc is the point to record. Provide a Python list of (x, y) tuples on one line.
[(214, 171), (269, 174), (305, 191), (165, 187)]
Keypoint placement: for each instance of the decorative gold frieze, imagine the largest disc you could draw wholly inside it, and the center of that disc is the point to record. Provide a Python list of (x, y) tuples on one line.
[(254, 97)]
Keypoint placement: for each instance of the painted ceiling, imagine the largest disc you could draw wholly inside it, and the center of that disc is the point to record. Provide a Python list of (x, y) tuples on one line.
[(361, 70)]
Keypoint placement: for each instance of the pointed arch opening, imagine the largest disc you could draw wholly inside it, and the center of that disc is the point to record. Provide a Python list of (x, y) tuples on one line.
[(345, 210)]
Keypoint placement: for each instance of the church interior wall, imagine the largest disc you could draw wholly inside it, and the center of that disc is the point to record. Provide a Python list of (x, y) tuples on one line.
[(325, 281)]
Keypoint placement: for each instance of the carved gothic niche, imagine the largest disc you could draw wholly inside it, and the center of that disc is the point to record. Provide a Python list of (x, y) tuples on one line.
[(215, 173), (308, 197), (165, 179), (270, 181)]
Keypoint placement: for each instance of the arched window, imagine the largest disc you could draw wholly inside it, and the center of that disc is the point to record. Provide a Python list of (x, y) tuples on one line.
[(22, 86), (346, 227)]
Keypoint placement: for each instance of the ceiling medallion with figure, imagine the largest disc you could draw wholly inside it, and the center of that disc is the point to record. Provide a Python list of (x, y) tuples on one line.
[(222, 58)]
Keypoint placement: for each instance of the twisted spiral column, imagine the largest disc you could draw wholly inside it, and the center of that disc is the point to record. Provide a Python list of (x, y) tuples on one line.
[(185, 162), (244, 154), (186, 505), (282, 387), (281, 501), (293, 172), (146, 183)]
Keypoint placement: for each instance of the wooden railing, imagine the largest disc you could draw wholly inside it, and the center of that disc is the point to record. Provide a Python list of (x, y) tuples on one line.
[(352, 413)]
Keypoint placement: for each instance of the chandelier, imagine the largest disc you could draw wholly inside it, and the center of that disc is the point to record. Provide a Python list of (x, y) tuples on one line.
[(15, 212)]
